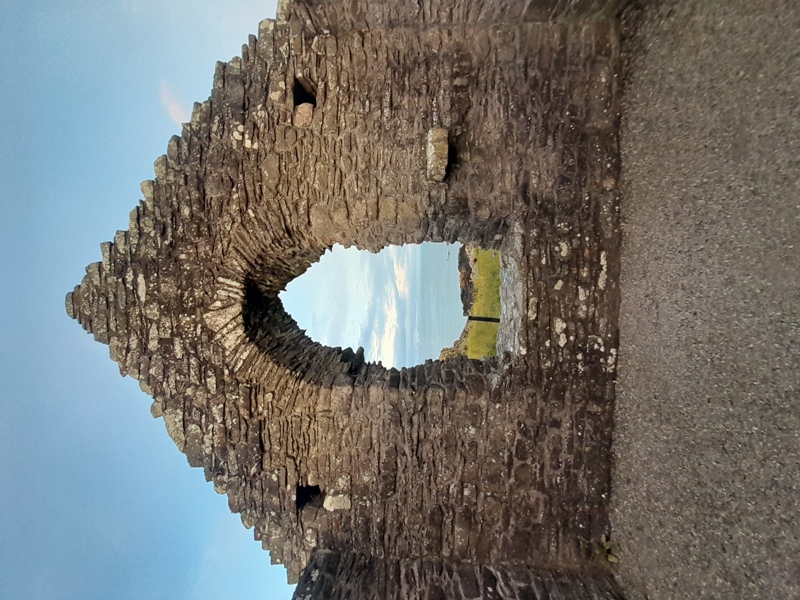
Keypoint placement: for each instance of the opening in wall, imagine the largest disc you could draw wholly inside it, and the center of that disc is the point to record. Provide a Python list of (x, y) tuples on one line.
[(308, 495), (303, 92), (403, 305), (482, 306)]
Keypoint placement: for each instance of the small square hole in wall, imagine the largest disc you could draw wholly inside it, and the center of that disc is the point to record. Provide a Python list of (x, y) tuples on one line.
[(306, 495), (303, 92), (305, 100)]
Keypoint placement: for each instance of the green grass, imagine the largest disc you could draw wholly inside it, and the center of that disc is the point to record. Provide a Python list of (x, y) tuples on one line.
[(482, 337)]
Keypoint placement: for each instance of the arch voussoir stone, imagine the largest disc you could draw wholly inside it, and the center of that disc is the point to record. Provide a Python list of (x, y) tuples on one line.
[(370, 124)]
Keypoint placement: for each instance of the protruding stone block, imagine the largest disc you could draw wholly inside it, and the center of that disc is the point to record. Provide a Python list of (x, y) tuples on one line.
[(303, 114), (70, 305), (147, 187), (332, 503), (437, 154), (160, 167)]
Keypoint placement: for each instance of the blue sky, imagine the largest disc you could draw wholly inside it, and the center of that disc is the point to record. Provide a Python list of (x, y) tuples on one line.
[(96, 502)]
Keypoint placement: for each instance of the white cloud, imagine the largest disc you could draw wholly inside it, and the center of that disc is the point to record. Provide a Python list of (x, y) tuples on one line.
[(400, 271), (382, 340), (173, 104), (399, 257)]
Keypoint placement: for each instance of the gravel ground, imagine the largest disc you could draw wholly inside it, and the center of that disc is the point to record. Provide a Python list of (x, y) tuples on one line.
[(706, 500)]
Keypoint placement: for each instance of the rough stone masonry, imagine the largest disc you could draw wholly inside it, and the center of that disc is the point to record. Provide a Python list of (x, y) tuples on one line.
[(369, 124)]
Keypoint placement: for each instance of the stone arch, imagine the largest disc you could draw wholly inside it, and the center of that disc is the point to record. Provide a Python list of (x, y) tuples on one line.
[(250, 321), (477, 122)]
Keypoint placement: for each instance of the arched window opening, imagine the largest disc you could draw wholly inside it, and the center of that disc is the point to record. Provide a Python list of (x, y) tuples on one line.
[(403, 305)]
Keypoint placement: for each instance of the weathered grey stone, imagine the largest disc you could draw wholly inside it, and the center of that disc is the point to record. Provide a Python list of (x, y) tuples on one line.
[(336, 503), (70, 306), (303, 114), (147, 188), (436, 152)]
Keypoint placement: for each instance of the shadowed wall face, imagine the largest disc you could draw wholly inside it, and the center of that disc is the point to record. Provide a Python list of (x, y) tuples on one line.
[(463, 129), (334, 576)]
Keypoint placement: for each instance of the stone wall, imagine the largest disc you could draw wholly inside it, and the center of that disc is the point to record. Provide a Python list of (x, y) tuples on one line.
[(335, 575), (329, 128)]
